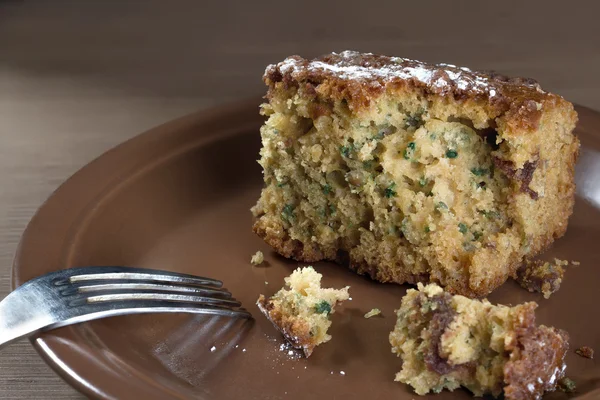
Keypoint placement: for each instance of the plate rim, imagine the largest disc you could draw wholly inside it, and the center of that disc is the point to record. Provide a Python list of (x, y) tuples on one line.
[(69, 373)]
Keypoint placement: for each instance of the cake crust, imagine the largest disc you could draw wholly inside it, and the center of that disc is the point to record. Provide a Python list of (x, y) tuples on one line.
[(360, 78)]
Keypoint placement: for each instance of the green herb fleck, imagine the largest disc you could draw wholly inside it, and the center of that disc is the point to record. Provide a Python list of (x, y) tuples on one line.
[(327, 189), (281, 184), (490, 214), (276, 131), (409, 151), (441, 206), (287, 213), (567, 385), (477, 235), (323, 307), (389, 191), (462, 228), (451, 153), (331, 209), (479, 171), (427, 229), (367, 164), (423, 181), (346, 150)]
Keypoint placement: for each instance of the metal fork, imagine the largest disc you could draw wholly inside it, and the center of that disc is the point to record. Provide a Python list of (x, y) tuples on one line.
[(77, 295)]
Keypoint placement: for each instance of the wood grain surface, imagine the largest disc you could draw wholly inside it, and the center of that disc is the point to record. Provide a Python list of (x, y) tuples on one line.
[(79, 77)]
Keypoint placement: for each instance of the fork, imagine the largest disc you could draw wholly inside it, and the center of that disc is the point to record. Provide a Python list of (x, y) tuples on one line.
[(77, 295)]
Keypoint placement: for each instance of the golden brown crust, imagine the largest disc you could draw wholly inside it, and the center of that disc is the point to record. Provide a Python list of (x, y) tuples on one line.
[(359, 78), (537, 358), (294, 249)]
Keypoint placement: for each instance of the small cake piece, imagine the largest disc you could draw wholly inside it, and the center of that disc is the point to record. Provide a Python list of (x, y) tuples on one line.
[(585, 351), (449, 341), (302, 309), (542, 276), (257, 258), (413, 172)]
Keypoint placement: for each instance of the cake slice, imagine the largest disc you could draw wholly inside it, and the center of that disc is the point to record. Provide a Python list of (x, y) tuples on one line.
[(448, 341), (410, 172), (301, 311)]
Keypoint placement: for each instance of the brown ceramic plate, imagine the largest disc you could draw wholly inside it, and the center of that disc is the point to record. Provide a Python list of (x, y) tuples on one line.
[(178, 198)]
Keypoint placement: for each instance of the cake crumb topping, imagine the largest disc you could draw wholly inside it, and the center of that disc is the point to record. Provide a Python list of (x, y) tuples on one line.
[(381, 70)]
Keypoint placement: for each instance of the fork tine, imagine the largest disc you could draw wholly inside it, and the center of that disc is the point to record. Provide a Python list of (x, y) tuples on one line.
[(118, 269), (94, 310), (133, 287), (166, 297), (145, 276)]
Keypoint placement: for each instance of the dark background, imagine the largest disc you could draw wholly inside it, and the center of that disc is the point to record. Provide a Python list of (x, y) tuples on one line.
[(78, 77)]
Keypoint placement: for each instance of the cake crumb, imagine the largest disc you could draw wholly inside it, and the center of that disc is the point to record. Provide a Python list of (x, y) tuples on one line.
[(585, 351), (575, 263), (542, 276), (567, 385), (258, 258), (373, 312), (302, 309), (213, 349)]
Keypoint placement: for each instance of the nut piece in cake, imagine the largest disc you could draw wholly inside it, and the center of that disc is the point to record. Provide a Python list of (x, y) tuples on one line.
[(302, 309), (411, 172), (448, 341), (542, 276)]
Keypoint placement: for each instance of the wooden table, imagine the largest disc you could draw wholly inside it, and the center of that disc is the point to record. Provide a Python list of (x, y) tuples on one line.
[(77, 78)]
